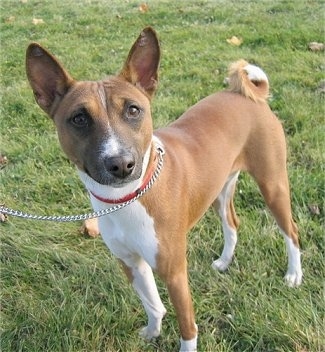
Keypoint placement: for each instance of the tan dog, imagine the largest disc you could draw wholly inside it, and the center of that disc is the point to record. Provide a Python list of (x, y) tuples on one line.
[(105, 128)]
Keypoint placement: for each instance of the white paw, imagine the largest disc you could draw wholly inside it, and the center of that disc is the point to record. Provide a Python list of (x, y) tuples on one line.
[(220, 265), (293, 279), (188, 345), (148, 333)]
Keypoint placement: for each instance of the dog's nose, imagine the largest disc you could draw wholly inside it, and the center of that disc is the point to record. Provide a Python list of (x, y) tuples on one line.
[(120, 166)]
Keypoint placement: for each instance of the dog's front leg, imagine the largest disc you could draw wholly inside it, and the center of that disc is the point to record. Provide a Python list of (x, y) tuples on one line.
[(140, 275), (176, 280)]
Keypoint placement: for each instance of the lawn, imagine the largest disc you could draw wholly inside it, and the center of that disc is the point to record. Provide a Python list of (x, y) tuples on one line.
[(63, 291)]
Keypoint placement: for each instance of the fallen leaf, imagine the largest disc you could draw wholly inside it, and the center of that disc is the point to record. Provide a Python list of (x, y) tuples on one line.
[(90, 228), (144, 7), (314, 209), (314, 46), (38, 21), (321, 87), (235, 41), (10, 19), (3, 161), (3, 217)]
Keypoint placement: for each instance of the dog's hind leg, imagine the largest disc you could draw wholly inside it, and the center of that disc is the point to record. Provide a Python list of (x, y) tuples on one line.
[(266, 162), (140, 275), (277, 196), (225, 207), (268, 167)]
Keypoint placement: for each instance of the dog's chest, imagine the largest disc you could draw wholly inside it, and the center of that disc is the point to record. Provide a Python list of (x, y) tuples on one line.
[(129, 232)]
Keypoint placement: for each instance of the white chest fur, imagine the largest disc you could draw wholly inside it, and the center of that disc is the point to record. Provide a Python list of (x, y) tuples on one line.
[(129, 232)]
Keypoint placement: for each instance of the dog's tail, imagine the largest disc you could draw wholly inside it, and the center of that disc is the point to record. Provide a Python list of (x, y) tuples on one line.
[(248, 80)]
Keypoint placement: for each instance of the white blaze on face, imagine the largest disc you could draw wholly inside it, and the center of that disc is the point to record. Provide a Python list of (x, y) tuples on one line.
[(102, 96), (111, 146)]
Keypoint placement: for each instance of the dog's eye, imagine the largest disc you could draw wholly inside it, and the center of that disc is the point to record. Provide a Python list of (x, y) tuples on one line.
[(133, 111), (80, 120)]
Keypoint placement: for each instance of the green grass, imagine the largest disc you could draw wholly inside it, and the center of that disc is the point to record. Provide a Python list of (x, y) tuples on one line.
[(61, 291)]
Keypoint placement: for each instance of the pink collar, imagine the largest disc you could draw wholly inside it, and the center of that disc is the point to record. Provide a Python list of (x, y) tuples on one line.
[(130, 195)]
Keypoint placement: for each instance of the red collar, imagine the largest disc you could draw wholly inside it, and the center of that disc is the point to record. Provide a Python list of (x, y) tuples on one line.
[(132, 195)]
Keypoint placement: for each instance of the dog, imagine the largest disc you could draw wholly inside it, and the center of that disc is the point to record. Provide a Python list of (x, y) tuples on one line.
[(105, 128)]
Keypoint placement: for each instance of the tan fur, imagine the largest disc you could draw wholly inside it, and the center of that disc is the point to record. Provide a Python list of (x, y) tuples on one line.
[(240, 83)]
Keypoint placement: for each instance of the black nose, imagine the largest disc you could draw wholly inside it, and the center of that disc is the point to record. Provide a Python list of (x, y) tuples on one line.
[(120, 166)]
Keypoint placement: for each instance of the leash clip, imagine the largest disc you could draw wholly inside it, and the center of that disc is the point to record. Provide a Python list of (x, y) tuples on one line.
[(160, 150)]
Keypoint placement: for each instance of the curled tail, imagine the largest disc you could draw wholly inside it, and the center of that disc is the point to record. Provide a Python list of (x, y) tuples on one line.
[(248, 80)]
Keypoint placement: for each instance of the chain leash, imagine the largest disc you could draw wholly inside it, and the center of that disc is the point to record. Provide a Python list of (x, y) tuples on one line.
[(96, 214)]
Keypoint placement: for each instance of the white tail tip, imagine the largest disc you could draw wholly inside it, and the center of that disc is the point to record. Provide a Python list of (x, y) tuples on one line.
[(255, 73)]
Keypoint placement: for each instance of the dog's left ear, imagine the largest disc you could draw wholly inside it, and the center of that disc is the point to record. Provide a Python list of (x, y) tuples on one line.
[(141, 66)]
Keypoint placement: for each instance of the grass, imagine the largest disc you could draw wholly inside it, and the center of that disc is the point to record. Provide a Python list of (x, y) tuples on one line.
[(61, 291)]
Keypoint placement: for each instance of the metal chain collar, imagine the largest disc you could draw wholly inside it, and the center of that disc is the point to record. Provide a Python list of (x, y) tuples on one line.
[(96, 214)]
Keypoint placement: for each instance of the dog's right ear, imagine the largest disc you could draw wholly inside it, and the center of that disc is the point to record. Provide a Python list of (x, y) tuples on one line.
[(47, 77)]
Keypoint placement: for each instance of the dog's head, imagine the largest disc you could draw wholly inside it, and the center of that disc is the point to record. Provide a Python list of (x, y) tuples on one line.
[(104, 127)]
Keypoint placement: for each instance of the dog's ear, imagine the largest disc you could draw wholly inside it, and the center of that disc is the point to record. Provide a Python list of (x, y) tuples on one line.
[(141, 66), (47, 77)]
